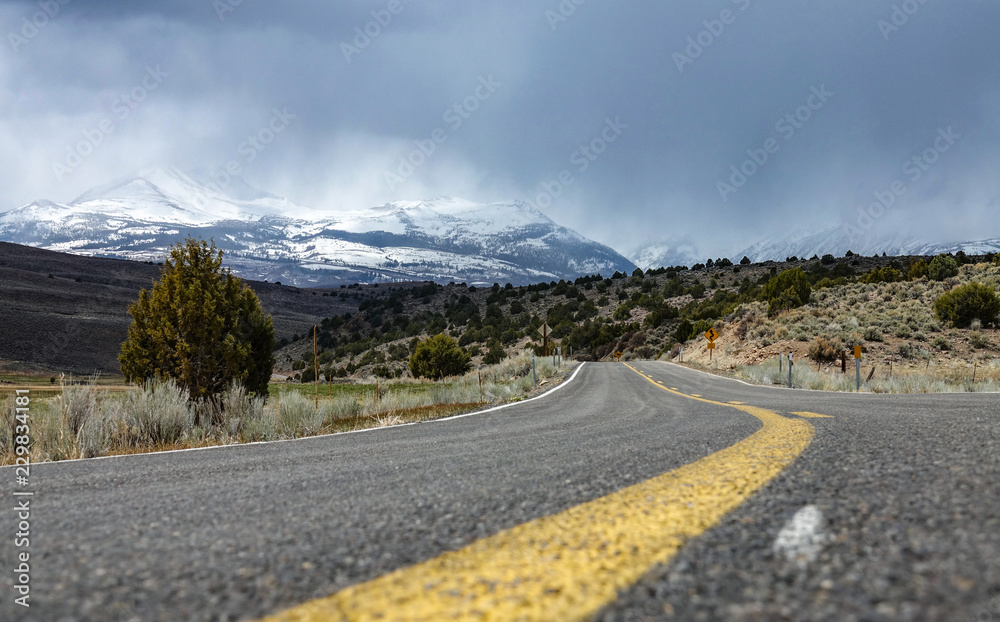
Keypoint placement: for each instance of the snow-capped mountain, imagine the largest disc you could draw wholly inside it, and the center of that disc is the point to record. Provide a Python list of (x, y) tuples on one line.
[(266, 237), (837, 241), (666, 253)]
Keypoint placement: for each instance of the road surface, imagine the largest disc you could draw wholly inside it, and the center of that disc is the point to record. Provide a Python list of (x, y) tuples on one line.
[(634, 492)]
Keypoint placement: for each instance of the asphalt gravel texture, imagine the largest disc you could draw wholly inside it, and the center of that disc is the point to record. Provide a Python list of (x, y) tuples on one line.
[(907, 485)]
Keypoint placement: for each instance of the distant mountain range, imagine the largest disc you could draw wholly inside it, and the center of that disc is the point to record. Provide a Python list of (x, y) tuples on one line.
[(805, 244), (269, 238), (266, 237)]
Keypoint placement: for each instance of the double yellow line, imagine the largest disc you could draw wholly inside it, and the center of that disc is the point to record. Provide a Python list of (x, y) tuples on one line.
[(569, 565)]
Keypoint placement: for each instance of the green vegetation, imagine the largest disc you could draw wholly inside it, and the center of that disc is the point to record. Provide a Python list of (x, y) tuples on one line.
[(439, 357), (200, 327), (788, 290), (644, 314), (966, 303), (942, 267)]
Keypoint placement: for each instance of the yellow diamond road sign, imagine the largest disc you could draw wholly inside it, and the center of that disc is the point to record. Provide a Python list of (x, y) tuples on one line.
[(711, 335)]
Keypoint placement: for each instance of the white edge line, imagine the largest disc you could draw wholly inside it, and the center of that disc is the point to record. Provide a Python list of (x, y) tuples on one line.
[(318, 436)]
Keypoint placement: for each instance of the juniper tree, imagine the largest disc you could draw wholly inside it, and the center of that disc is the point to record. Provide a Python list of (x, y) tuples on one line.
[(200, 326)]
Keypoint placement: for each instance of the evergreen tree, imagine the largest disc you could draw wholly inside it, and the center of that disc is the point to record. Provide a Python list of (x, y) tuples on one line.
[(200, 326), (439, 357)]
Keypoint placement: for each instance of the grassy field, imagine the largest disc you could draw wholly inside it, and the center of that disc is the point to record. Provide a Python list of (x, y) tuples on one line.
[(84, 421)]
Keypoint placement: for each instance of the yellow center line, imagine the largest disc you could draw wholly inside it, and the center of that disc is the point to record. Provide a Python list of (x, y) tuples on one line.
[(812, 415), (737, 402), (569, 565)]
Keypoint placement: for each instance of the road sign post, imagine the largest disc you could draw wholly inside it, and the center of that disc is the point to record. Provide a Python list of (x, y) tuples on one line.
[(789, 369), (711, 335), (857, 365), (534, 374), (545, 330)]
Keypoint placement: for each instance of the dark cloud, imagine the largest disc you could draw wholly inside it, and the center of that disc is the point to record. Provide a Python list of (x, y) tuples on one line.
[(556, 83)]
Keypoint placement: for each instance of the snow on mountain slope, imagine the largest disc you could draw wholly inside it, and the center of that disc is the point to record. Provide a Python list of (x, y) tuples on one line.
[(837, 242), (666, 253), (268, 237)]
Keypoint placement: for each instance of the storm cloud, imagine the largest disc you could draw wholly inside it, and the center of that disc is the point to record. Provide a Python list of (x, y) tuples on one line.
[(721, 122)]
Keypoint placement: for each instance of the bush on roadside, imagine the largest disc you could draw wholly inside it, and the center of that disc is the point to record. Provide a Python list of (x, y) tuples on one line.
[(823, 349), (966, 303), (439, 357)]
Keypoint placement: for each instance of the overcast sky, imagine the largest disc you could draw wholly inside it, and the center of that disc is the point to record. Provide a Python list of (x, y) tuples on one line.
[(673, 95)]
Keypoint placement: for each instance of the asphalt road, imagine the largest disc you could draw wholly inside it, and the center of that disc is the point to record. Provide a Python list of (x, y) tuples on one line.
[(902, 494)]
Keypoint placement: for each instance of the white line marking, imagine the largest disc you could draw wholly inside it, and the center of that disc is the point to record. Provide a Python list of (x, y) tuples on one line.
[(802, 537), (307, 438)]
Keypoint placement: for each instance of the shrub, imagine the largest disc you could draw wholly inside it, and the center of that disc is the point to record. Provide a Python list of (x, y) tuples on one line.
[(977, 340), (942, 267), (966, 303), (496, 353), (872, 333), (439, 357), (159, 414), (918, 269), (825, 349), (683, 332), (942, 344), (886, 274)]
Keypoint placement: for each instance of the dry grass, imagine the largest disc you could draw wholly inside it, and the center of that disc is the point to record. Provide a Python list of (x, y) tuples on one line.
[(85, 421), (910, 349)]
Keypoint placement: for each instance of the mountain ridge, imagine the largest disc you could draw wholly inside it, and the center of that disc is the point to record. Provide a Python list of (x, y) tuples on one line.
[(266, 237)]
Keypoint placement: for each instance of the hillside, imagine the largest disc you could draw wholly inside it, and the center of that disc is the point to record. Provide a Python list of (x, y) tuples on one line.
[(648, 315), (69, 313), (65, 313)]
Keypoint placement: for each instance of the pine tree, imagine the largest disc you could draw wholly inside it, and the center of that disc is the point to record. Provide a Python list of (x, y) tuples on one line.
[(200, 326)]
